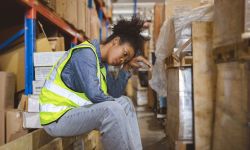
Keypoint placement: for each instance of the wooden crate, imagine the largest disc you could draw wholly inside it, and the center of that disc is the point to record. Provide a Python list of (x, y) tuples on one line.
[(179, 104), (233, 52), (180, 145), (228, 22), (204, 72), (232, 107), (173, 62)]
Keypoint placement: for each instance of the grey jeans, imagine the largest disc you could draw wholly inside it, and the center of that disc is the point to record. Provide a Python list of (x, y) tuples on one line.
[(116, 120)]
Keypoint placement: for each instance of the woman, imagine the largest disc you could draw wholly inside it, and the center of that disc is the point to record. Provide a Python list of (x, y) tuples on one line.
[(78, 95)]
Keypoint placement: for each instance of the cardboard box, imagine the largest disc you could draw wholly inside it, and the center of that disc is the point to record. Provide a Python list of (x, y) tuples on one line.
[(43, 44), (2, 127), (23, 104), (7, 90), (57, 43), (31, 120), (33, 103), (44, 59), (81, 14), (41, 72), (67, 10), (37, 86), (14, 128)]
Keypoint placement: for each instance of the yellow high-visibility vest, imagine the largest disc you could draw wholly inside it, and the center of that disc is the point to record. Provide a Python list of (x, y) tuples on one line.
[(56, 98)]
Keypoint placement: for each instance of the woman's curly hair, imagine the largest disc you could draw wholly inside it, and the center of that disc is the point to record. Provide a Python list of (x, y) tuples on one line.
[(129, 31)]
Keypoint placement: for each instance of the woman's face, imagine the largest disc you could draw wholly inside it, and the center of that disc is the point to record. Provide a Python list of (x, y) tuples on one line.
[(119, 54)]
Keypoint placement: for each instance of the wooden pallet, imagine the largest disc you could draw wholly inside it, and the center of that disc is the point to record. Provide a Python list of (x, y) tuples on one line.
[(173, 62), (233, 52), (180, 145), (40, 140)]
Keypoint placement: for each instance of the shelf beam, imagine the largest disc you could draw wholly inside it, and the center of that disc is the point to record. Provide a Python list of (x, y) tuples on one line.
[(52, 17)]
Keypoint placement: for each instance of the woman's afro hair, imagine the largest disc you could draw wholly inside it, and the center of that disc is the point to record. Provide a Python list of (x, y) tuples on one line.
[(129, 31)]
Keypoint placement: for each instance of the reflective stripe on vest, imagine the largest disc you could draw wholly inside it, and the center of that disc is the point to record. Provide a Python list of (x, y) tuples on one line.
[(52, 108), (65, 93)]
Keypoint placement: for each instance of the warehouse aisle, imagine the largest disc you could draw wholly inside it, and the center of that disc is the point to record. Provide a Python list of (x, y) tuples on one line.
[(152, 132)]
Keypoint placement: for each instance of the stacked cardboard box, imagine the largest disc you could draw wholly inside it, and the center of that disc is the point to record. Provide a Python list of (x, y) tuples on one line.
[(43, 62)]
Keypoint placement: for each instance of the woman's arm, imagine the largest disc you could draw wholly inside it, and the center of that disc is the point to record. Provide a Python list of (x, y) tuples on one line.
[(116, 86), (84, 66)]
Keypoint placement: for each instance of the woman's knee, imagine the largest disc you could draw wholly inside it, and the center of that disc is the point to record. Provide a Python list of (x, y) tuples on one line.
[(113, 107)]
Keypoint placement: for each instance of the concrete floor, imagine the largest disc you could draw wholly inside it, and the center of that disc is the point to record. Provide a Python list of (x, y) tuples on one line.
[(152, 130)]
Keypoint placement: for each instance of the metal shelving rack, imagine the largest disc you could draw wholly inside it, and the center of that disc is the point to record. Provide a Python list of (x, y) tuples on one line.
[(34, 8)]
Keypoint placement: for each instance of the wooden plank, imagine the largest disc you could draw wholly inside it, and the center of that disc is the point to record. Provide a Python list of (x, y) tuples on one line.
[(55, 144), (185, 61), (231, 114), (204, 71), (232, 52), (33, 140)]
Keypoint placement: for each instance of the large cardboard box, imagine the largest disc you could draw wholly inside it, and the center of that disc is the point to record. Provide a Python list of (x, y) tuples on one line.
[(2, 128), (95, 25), (7, 90), (67, 10), (14, 128), (57, 43), (42, 44), (81, 14)]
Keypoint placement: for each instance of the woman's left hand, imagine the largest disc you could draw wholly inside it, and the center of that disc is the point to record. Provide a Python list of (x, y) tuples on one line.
[(134, 63)]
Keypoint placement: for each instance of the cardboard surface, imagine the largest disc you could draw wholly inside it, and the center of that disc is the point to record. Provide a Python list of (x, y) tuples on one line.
[(46, 58), (41, 72), (7, 90), (31, 120), (33, 103), (2, 128), (57, 43), (14, 123)]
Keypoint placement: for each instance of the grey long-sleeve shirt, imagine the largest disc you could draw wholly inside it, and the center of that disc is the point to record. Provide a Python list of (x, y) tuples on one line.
[(80, 75)]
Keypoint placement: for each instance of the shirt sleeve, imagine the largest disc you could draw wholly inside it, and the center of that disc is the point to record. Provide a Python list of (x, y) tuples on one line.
[(116, 86), (84, 65)]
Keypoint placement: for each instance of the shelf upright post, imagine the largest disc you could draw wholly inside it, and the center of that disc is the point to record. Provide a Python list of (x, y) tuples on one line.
[(30, 46)]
